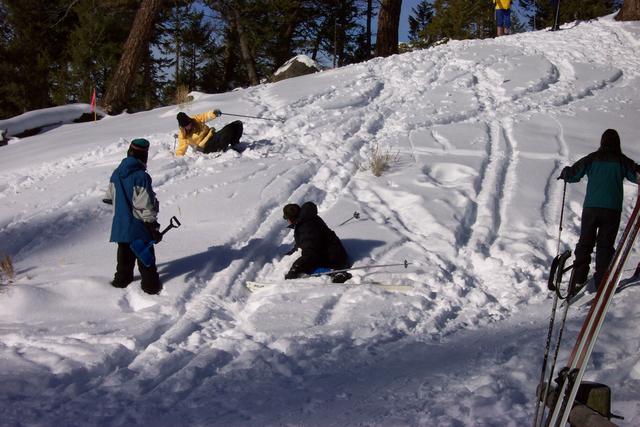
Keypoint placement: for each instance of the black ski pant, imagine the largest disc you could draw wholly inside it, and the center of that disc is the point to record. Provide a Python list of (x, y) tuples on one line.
[(225, 137), (124, 271), (599, 227)]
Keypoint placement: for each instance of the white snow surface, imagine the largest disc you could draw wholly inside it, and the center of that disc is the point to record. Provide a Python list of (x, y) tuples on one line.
[(478, 130)]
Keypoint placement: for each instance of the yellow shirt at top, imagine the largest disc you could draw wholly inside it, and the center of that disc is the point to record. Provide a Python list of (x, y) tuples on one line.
[(502, 4), (199, 135)]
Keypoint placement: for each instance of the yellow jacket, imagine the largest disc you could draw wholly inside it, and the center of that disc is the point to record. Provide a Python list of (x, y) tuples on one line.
[(502, 4), (199, 135)]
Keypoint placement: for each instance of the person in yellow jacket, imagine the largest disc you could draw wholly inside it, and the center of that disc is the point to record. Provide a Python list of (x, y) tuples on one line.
[(503, 16), (194, 132)]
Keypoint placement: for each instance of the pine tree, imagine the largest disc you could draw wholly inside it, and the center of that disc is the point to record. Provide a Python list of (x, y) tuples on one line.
[(34, 35), (542, 14), (420, 18), (95, 46), (461, 19)]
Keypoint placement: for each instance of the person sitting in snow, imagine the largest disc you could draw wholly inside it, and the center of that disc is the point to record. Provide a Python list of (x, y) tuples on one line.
[(602, 207), (135, 216), (321, 247), (195, 132)]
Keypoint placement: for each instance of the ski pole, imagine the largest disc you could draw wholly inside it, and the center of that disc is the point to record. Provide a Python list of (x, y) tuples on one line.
[(545, 385), (555, 22), (364, 267), (355, 215), (253, 117), (564, 195)]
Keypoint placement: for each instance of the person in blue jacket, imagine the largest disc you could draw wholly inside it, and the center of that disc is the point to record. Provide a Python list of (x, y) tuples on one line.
[(134, 217), (605, 169)]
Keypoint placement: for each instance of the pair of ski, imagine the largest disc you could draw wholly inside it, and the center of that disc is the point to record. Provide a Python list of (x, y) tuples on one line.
[(570, 377), (257, 285)]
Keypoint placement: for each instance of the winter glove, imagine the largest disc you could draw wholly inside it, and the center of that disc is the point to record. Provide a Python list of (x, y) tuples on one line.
[(218, 113), (154, 230), (564, 174)]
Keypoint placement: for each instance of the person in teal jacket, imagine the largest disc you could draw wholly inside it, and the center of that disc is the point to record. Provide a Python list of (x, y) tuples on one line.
[(606, 170)]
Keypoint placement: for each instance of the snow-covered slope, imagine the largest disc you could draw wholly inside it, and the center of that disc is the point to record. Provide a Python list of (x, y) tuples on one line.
[(478, 131)]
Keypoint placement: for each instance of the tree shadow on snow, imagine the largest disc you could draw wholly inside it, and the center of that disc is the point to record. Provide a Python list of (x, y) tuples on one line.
[(217, 258), (360, 248), (253, 145), (205, 264)]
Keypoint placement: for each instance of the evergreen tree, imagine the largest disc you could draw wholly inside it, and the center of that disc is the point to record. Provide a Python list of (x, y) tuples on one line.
[(542, 13), (184, 41), (196, 40), (33, 54), (461, 19), (419, 19), (95, 45)]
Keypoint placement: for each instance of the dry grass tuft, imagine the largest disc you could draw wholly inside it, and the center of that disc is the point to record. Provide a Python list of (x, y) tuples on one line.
[(6, 268), (182, 97), (381, 160)]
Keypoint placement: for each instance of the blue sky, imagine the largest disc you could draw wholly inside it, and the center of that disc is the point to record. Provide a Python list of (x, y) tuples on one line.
[(407, 6)]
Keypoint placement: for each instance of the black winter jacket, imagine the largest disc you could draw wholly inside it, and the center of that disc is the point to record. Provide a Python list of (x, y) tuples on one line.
[(320, 245)]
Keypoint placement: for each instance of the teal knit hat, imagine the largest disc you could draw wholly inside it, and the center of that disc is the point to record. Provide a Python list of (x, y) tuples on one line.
[(140, 144), (139, 148)]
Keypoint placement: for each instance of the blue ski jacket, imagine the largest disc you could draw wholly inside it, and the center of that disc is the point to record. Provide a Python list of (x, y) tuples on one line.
[(134, 201), (606, 170)]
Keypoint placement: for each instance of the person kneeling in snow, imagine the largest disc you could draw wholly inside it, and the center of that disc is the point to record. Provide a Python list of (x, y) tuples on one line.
[(134, 217), (321, 248), (195, 132)]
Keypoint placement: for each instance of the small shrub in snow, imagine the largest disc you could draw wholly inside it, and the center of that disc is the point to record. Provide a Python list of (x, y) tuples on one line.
[(6, 268), (182, 96), (380, 160)]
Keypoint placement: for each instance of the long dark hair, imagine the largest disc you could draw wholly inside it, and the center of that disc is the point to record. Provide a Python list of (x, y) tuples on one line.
[(610, 141)]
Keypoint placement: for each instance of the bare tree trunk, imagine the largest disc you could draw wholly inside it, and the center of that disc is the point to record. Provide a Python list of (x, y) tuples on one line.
[(316, 46), (388, 23), (229, 57), (630, 11), (133, 53), (367, 43), (245, 50), (178, 26), (284, 50)]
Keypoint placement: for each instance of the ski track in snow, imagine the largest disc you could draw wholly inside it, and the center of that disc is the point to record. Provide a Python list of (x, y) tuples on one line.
[(325, 140)]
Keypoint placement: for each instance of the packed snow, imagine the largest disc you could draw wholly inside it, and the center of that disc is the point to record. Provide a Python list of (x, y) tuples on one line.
[(476, 133)]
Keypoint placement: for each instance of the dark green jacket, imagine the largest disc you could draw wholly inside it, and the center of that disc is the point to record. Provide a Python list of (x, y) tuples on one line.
[(605, 169)]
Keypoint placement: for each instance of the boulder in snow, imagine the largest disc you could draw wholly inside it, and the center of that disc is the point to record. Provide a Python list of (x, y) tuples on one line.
[(297, 66), (38, 121)]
